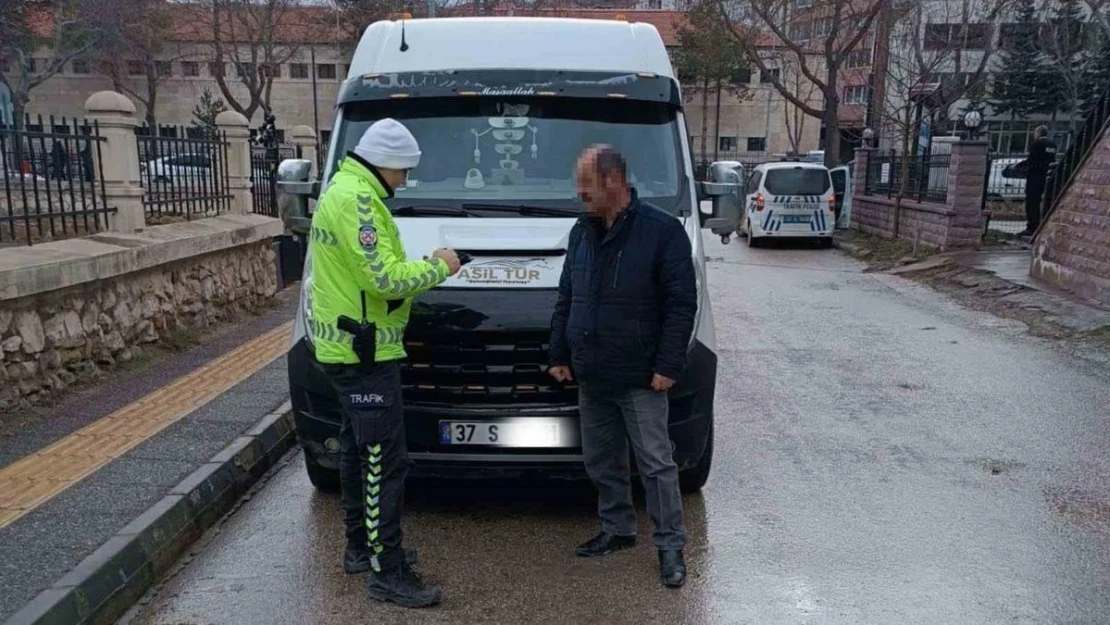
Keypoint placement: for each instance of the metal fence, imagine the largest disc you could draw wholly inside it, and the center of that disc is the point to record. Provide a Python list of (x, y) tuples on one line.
[(1004, 194), (748, 159), (51, 181), (925, 177), (184, 174), (264, 163)]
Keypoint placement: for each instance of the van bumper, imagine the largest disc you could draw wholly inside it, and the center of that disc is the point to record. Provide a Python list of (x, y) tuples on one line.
[(317, 418)]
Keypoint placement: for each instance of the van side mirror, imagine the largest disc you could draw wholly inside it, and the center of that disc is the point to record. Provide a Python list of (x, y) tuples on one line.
[(725, 190), (295, 189)]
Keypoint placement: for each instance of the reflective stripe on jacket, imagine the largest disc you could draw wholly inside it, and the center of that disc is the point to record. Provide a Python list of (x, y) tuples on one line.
[(357, 256)]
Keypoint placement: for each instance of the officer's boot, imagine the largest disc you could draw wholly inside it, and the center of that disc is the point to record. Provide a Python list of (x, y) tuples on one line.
[(401, 585)]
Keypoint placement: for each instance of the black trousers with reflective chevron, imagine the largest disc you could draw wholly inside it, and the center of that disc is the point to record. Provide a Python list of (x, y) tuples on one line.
[(373, 462)]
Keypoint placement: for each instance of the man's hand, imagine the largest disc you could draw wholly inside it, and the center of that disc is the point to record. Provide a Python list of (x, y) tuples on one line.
[(660, 383), (448, 256), (561, 374)]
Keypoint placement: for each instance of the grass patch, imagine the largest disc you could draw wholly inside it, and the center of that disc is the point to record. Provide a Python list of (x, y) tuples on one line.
[(886, 253)]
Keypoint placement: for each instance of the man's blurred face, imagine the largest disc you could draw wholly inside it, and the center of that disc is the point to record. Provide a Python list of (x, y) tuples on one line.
[(598, 193)]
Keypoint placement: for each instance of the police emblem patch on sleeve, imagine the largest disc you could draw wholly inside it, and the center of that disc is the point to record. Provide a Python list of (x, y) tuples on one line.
[(367, 236)]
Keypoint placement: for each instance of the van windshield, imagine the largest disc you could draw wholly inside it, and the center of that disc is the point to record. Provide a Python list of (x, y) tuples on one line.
[(522, 151), (797, 181)]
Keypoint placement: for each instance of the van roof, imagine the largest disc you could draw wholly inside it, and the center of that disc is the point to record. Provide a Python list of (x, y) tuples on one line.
[(791, 165), (483, 43)]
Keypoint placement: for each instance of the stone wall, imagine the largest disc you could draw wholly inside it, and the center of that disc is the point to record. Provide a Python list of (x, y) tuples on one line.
[(71, 308), (1072, 249), (957, 223), (927, 224)]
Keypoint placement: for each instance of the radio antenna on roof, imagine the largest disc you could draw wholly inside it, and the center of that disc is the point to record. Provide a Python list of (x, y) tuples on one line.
[(404, 44)]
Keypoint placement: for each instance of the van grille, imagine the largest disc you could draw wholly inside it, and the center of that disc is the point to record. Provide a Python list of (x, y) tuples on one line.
[(481, 368)]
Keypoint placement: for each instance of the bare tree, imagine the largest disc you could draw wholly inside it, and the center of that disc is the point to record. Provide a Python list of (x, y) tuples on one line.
[(929, 72), (819, 38), (711, 60), (40, 39), (141, 58), (256, 37), (793, 116)]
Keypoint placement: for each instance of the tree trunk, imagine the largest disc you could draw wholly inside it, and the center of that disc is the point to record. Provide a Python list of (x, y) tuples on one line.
[(717, 125), (832, 136), (704, 118)]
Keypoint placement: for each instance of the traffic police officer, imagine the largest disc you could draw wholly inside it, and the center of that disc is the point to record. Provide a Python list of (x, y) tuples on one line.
[(362, 287)]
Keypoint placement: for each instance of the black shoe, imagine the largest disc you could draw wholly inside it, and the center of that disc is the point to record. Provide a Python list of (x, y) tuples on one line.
[(357, 560), (402, 586), (672, 568), (604, 544)]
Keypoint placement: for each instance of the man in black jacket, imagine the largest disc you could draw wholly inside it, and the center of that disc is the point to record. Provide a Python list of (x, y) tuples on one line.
[(621, 327), (1041, 157)]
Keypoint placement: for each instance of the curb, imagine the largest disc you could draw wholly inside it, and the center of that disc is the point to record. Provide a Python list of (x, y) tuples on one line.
[(110, 580)]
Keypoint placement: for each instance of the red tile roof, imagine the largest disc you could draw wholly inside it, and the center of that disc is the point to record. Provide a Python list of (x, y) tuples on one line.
[(309, 24)]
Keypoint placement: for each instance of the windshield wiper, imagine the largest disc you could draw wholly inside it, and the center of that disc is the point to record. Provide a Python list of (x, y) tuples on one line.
[(524, 209), (432, 209)]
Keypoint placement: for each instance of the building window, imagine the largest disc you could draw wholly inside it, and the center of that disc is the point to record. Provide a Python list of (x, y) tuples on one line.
[(726, 144), (741, 77), (81, 67), (799, 33), (271, 70), (215, 69), (298, 71), (346, 70), (765, 77), (136, 68), (244, 70), (163, 68), (325, 71), (757, 144), (856, 95), (803, 4), (976, 36), (32, 65), (938, 36), (857, 59), (824, 26), (190, 68)]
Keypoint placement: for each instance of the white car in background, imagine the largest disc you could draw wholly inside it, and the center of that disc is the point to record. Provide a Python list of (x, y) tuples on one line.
[(789, 200), (176, 169), (1001, 186)]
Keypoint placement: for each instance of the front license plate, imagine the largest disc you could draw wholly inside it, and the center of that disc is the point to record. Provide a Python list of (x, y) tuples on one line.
[(796, 219), (524, 433)]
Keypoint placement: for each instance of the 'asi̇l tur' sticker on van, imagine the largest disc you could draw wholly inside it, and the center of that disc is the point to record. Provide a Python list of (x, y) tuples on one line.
[(507, 272)]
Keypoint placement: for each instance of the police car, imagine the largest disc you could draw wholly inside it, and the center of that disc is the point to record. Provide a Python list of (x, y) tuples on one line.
[(788, 200)]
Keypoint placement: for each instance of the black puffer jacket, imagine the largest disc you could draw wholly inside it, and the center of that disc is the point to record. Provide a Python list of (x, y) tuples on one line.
[(627, 300)]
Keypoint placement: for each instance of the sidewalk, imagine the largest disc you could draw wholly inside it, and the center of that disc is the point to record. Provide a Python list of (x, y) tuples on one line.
[(995, 280), (81, 482)]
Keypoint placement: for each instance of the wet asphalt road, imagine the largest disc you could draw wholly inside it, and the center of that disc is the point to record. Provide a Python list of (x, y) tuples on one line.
[(883, 456)]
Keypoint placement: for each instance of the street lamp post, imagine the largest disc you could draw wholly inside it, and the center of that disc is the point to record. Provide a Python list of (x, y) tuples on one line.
[(973, 118)]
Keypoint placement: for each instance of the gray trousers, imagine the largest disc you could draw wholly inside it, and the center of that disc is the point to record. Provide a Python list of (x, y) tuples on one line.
[(610, 420)]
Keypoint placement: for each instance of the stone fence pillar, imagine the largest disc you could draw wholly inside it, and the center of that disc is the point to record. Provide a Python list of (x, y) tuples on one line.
[(967, 179), (236, 128), (305, 139), (118, 158), (859, 179)]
